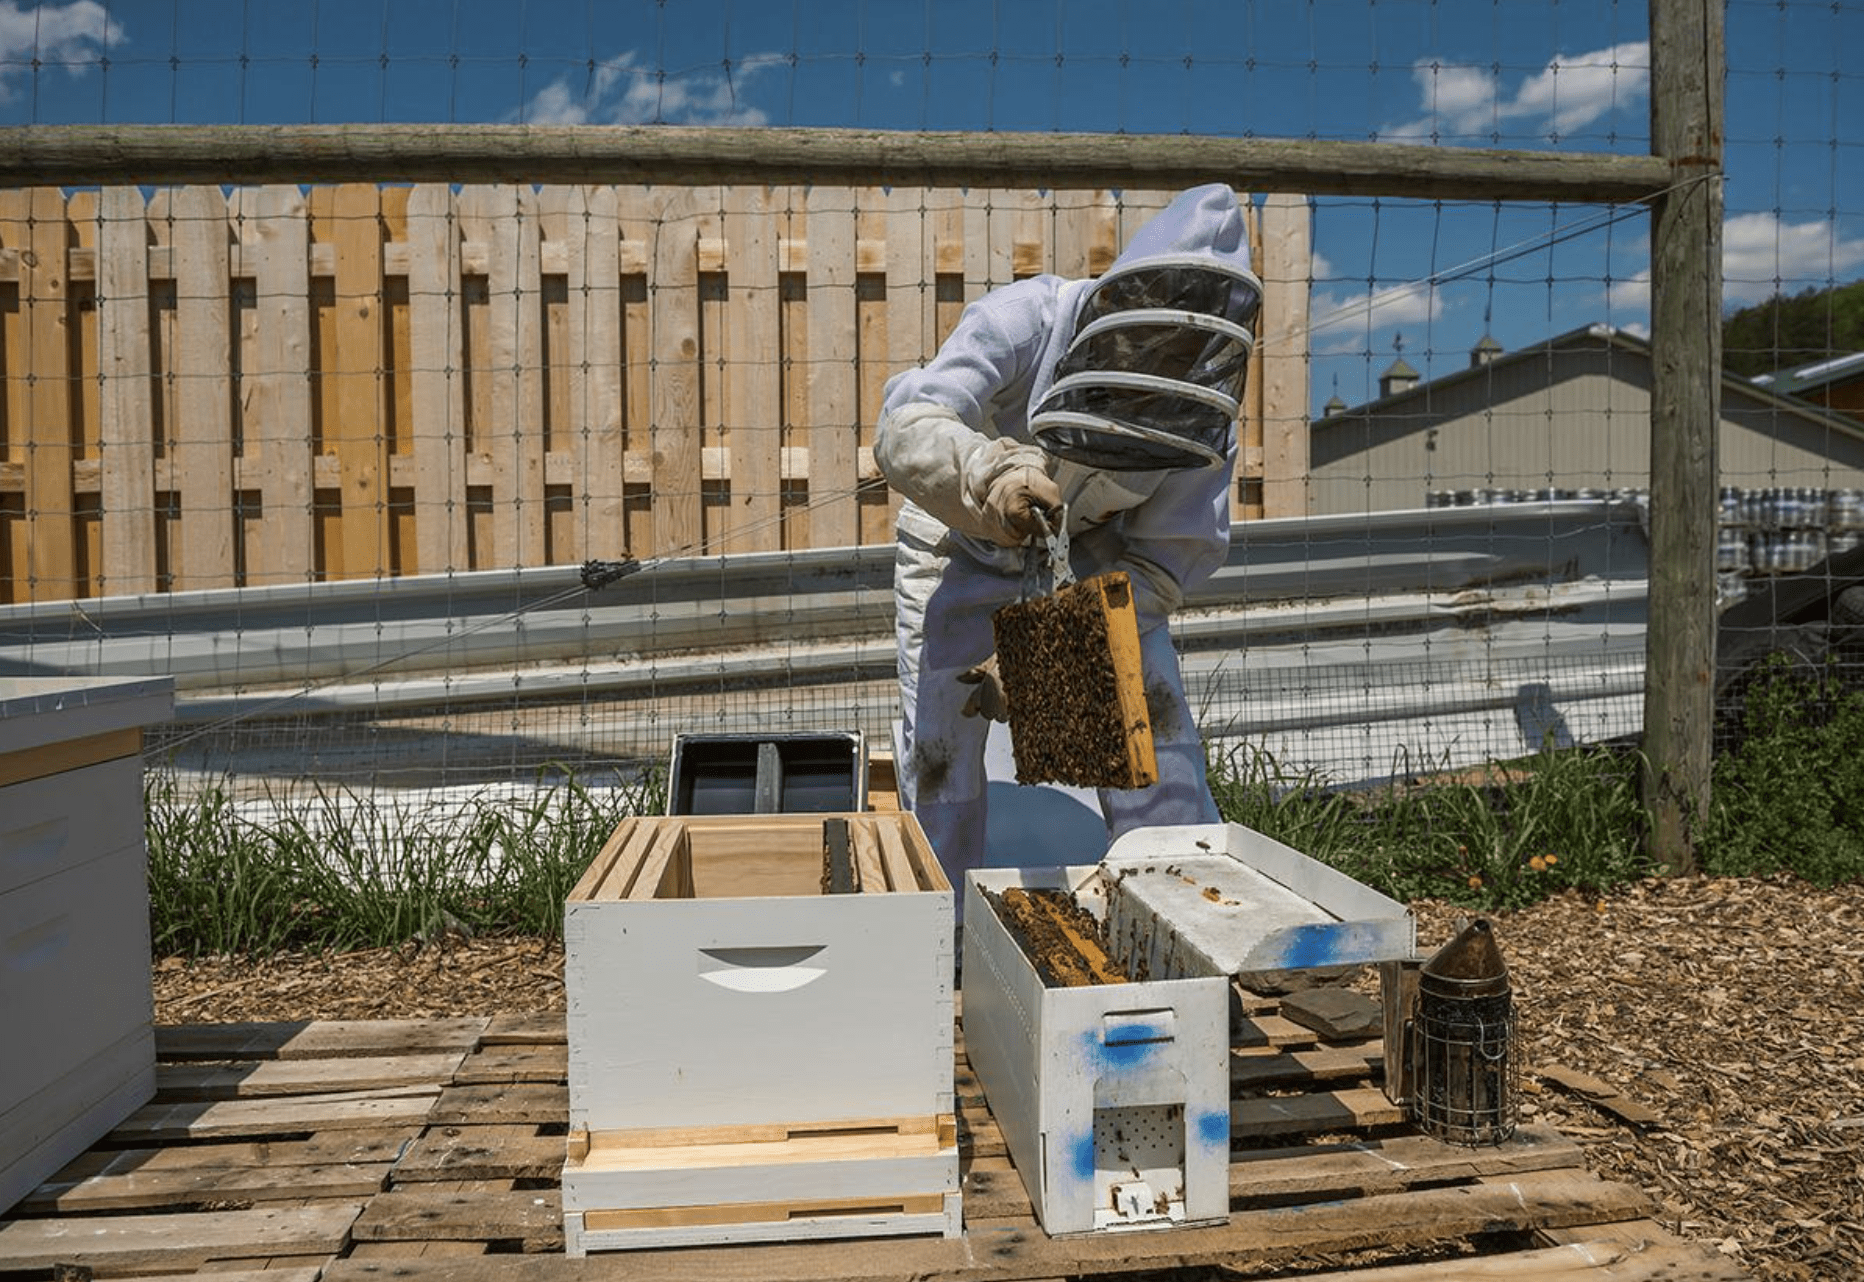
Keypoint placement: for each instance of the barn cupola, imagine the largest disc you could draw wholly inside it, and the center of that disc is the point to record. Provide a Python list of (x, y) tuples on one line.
[(1398, 377), (1485, 350)]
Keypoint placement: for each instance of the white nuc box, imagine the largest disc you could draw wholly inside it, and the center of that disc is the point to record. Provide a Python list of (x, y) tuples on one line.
[(1114, 1098), (760, 1033)]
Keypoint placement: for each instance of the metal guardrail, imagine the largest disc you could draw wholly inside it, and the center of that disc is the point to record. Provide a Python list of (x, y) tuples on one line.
[(1434, 618)]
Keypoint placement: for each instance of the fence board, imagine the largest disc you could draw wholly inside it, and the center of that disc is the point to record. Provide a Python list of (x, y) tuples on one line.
[(126, 406), (833, 329), (754, 370), (673, 432), (353, 388), (357, 381), (44, 429), (277, 391), (436, 381), (202, 451), (562, 219)]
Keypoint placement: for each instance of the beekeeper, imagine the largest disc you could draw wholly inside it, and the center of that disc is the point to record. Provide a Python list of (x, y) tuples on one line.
[(1113, 399)]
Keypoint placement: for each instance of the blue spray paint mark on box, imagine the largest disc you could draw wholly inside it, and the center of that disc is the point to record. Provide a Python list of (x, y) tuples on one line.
[(1311, 945), (1213, 1128), (1082, 1151), (1124, 1047)]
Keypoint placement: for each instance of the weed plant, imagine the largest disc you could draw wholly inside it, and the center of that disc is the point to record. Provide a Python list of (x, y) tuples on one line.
[(340, 869), (1501, 836), (1789, 796)]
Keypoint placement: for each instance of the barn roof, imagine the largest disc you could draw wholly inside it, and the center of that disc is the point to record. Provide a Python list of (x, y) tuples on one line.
[(1800, 379), (1591, 338)]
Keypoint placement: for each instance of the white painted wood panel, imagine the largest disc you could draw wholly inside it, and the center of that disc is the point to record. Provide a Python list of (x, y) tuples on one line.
[(55, 823), (74, 968)]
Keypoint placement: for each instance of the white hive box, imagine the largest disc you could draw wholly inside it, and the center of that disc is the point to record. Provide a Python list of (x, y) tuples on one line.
[(1114, 1099), (752, 1057), (1110, 1094), (75, 993)]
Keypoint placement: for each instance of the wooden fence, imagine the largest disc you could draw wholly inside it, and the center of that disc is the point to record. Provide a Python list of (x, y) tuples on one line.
[(210, 388)]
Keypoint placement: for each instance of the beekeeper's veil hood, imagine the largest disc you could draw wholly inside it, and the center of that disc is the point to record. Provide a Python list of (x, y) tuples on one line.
[(1153, 376)]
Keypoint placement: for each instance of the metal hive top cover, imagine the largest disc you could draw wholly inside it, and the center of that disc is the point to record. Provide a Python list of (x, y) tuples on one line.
[(1224, 899)]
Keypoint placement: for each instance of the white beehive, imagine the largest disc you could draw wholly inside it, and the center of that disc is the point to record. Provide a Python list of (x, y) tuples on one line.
[(75, 990), (752, 1056), (1114, 1098)]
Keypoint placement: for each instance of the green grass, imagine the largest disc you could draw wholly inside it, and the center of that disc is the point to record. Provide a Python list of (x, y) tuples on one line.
[(1496, 837), (340, 870)]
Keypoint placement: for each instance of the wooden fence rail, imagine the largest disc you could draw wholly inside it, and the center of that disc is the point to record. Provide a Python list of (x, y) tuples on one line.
[(212, 388)]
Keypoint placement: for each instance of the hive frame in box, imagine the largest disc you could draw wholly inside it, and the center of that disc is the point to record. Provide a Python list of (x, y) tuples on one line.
[(752, 1058), (1066, 1070)]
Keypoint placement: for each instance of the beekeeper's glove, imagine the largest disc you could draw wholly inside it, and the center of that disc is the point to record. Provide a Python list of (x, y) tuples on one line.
[(987, 698), (1013, 507)]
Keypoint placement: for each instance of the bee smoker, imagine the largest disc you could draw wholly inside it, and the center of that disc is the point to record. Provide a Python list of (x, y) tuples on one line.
[(1464, 1087)]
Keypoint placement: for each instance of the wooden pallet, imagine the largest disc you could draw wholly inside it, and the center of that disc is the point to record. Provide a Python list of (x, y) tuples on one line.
[(409, 1149)]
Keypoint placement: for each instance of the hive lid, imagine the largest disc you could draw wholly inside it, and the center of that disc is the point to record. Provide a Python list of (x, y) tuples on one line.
[(1235, 900)]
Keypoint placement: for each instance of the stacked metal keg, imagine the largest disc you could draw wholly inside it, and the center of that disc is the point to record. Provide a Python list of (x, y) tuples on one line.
[(1776, 530), (1785, 529), (1474, 498)]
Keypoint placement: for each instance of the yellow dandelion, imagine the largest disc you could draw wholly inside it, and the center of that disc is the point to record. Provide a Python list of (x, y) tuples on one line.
[(1553, 859), (1538, 864), (1475, 881)]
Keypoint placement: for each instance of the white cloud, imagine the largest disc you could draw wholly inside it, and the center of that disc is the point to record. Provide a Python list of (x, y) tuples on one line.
[(624, 91), (1763, 256), (1342, 322), (1631, 294), (1569, 93), (70, 34)]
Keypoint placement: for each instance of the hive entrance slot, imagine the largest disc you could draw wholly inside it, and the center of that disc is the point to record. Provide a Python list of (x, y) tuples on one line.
[(1138, 1164)]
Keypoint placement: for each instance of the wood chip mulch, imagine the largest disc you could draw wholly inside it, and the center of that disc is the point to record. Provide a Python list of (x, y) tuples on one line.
[(1701, 1038)]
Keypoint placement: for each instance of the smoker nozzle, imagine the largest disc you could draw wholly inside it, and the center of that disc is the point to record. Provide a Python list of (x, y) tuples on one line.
[(1470, 965)]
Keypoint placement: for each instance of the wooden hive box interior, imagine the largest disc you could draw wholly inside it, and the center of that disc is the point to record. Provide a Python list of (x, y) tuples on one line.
[(752, 857)]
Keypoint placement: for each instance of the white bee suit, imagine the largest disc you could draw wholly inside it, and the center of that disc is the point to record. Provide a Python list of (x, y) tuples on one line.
[(1090, 382)]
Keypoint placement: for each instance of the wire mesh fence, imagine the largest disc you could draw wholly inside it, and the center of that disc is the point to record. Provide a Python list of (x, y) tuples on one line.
[(300, 443)]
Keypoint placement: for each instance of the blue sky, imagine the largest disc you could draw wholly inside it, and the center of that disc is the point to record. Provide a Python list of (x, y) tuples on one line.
[(1389, 275)]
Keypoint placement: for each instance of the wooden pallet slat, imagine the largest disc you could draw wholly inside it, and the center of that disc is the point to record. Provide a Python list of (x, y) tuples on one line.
[(226, 1118), (275, 1077), (531, 1216), (151, 1189), (492, 1151), (354, 428), (474, 1173), (147, 1243), (319, 1039)]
